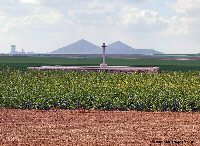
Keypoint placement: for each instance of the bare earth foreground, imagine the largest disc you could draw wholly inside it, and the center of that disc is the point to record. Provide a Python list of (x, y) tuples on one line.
[(79, 127)]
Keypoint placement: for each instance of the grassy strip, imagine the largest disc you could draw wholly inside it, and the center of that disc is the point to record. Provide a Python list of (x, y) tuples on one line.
[(166, 65)]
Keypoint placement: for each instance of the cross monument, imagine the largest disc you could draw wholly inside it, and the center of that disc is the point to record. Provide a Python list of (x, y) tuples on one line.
[(104, 65)]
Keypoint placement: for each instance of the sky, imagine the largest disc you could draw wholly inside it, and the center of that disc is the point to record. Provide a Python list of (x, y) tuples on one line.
[(169, 26)]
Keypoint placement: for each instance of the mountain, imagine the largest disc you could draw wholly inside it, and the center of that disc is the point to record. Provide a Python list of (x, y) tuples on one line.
[(84, 47), (80, 47), (121, 48)]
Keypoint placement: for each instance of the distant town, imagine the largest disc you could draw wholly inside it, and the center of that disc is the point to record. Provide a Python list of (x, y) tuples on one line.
[(14, 51)]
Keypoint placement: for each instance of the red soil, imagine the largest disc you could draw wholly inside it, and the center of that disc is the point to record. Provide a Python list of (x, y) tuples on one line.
[(77, 127)]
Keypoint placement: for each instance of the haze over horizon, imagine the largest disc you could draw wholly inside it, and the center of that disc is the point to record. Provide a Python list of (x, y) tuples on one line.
[(42, 26)]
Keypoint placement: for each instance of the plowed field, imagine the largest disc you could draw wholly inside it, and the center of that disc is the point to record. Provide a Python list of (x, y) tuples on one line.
[(80, 127)]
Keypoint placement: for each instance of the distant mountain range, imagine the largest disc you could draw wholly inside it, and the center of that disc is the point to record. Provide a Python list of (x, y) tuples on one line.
[(84, 47)]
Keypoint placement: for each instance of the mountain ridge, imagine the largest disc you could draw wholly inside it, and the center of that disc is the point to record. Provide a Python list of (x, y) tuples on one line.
[(85, 47)]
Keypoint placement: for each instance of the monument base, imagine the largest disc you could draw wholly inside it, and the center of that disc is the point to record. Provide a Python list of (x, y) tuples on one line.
[(103, 65), (111, 69)]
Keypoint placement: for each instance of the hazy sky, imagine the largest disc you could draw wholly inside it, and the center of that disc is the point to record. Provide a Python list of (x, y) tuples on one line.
[(170, 26)]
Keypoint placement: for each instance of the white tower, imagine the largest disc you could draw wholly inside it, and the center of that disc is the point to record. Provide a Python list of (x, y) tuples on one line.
[(13, 49)]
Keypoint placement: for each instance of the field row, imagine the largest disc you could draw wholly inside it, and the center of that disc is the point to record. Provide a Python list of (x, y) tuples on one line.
[(173, 91)]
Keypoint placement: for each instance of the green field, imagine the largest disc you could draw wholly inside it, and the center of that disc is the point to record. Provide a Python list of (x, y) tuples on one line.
[(174, 91), (165, 65), (176, 88)]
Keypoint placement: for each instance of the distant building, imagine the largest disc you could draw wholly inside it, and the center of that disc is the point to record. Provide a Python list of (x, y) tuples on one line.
[(13, 49), (22, 52)]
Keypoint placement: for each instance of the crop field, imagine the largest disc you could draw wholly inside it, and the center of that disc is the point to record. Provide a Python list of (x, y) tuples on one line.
[(168, 91), (173, 91)]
